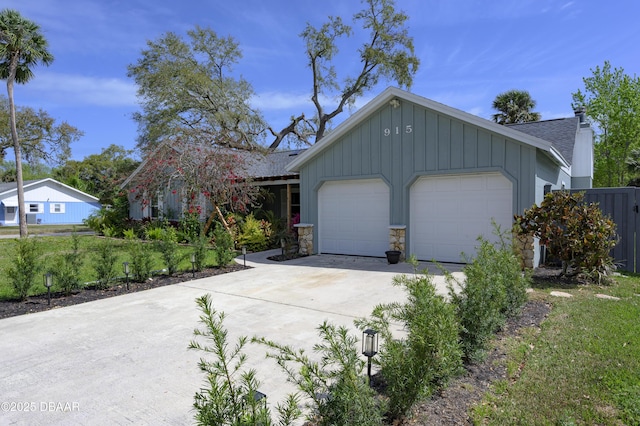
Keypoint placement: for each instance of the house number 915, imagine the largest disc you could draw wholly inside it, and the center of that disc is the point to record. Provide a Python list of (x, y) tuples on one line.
[(407, 129)]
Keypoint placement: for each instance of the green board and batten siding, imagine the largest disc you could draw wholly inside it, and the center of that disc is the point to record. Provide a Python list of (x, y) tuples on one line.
[(401, 144)]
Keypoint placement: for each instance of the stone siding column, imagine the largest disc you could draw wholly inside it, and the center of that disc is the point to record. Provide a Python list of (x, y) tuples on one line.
[(305, 238), (523, 245), (397, 239)]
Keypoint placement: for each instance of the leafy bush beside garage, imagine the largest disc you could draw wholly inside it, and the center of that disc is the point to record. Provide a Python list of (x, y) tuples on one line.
[(577, 234)]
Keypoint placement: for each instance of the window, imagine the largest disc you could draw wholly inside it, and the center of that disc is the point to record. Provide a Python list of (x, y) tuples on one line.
[(157, 206), (34, 208), (11, 209), (56, 208)]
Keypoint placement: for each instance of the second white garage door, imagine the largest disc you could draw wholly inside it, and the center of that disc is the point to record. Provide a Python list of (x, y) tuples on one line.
[(353, 217), (448, 213)]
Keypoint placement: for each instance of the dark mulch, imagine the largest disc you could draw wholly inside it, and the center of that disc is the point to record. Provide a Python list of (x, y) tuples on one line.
[(285, 257), (59, 300), (451, 406)]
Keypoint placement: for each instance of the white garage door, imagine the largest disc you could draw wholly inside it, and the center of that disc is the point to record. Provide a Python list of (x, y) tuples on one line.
[(353, 217), (448, 213)]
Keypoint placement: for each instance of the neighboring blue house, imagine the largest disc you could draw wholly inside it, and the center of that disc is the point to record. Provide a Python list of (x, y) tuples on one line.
[(47, 202)]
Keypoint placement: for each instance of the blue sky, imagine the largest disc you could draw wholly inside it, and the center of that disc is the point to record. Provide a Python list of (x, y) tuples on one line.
[(470, 50)]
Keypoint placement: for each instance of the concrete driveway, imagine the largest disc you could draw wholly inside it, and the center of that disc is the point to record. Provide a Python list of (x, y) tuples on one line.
[(124, 360)]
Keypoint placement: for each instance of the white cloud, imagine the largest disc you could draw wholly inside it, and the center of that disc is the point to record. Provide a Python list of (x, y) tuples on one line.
[(281, 100), (84, 90)]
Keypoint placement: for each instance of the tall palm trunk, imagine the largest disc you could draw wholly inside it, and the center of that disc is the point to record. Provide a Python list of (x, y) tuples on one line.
[(22, 214)]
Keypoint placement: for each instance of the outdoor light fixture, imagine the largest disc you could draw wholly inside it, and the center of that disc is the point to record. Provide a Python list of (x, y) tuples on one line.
[(48, 282), (193, 265), (244, 255), (369, 347), (125, 267), (258, 398)]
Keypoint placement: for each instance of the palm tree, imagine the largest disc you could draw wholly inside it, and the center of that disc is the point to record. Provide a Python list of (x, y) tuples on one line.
[(515, 107), (21, 47)]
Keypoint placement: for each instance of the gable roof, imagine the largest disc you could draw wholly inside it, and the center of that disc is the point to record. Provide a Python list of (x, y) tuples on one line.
[(560, 132), (262, 167), (393, 93), (9, 187), (273, 165)]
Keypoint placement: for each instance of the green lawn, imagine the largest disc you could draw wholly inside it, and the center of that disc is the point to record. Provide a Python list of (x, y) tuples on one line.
[(54, 245), (581, 367), (43, 229)]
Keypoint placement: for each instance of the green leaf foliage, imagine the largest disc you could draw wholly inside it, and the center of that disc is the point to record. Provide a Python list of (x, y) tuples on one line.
[(514, 106), (255, 234), (104, 262), (611, 99), (223, 246), (25, 266), (229, 396), (99, 174), (189, 91), (141, 259), (575, 232), (416, 365), (493, 290), (337, 391), (66, 271), (167, 244)]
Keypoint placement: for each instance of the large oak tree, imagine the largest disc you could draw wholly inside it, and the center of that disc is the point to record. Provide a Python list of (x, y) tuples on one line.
[(188, 89), (41, 137)]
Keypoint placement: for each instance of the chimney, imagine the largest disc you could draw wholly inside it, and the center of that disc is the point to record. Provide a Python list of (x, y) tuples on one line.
[(580, 113)]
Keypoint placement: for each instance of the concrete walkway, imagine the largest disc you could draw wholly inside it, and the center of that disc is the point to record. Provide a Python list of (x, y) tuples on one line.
[(124, 360)]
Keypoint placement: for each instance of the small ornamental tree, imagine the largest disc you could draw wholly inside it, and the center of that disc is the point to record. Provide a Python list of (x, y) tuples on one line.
[(578, 234), (204, 176)]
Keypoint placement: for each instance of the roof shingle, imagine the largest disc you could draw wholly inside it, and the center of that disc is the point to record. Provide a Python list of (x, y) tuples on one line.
[(560, 132)]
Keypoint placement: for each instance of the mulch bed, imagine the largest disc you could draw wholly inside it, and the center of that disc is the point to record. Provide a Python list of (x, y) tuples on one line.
[(59, 300), (451, 406)]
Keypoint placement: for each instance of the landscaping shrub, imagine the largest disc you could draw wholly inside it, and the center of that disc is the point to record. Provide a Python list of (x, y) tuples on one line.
[(515, 281), (576, 233), (129, 234), (104, 262), (223, 246), (337, 390), (415, 365), (190, 226), (228, 397), (66, 271), (24, 268), (278, 226), (494, 289), (200, 245), (141, 259), (167, 245), (154, 233), (255, 234), (113, 217)]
